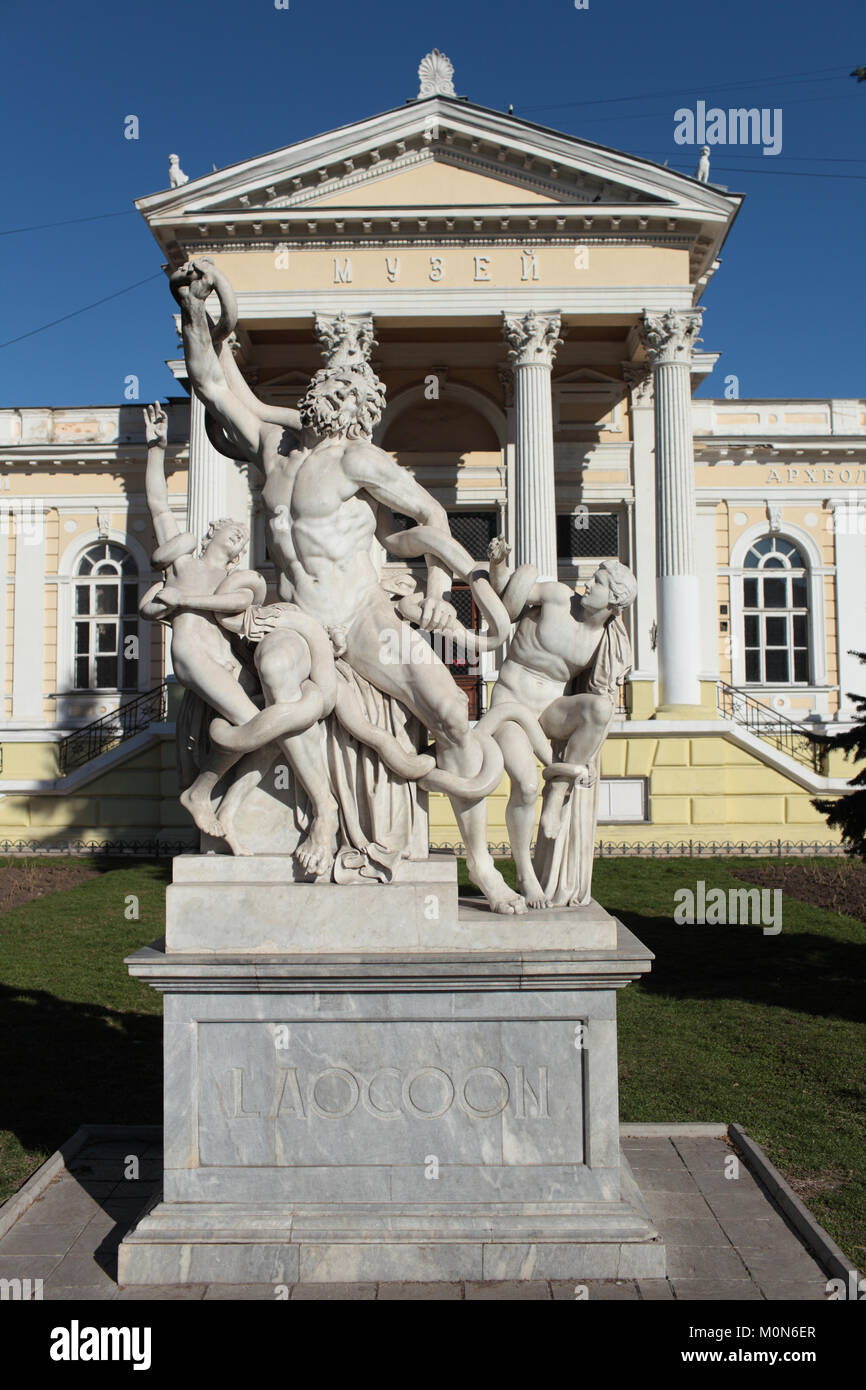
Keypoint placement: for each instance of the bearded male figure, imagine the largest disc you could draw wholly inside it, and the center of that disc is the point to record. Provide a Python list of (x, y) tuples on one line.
[(325, 500)]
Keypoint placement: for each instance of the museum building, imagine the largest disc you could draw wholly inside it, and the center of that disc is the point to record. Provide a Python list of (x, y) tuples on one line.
[(532, 302)]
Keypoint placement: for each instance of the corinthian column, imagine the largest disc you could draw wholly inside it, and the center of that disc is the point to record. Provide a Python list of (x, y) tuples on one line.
[(669, 339), (534, 339), (207, 478)]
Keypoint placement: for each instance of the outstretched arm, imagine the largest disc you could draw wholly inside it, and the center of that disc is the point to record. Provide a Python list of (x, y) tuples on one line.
[(191, 285), (523, 593), (165, 525)]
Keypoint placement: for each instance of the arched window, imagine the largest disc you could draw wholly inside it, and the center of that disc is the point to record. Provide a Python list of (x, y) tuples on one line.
[(776, 613), (105, 606)]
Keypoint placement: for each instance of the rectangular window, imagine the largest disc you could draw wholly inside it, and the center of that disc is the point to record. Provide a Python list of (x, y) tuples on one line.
[(587, 536), (106, 598), (776, 662), (777, 632), (774, 593), (621, 799)]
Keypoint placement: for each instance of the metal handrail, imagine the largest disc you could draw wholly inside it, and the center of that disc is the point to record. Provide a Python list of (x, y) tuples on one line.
[(113, 728), (785, 734)]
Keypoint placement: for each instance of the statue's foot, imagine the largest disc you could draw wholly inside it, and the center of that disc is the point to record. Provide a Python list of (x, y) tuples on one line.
[(532, 893), (500, 897), (235, 844), (316, 852), (201, 809)]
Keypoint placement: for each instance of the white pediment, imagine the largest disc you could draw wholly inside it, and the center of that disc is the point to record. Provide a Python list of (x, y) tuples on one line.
[(484, 158)]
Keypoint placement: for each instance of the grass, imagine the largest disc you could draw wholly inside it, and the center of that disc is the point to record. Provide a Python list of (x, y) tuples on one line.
[(730, 1025)]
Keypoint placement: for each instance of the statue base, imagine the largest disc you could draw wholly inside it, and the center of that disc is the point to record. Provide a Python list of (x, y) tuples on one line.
[(358, 1089)]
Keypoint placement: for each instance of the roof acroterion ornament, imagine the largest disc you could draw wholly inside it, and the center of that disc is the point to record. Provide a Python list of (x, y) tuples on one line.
[(436, 73)]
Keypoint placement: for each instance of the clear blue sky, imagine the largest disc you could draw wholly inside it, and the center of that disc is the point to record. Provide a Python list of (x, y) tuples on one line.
[(221, 82)]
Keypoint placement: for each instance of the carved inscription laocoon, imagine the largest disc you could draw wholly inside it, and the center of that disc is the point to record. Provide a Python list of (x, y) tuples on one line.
[(425, 1092)]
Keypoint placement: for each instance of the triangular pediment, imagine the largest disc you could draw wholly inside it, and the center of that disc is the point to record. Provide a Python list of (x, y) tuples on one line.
[(440, 158), (435, 181), (478, 150)]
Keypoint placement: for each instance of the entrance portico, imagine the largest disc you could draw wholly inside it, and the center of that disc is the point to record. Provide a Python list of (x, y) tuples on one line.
[(513, 276)]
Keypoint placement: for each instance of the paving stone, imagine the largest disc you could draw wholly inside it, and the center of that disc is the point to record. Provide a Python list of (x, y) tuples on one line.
[(86, 1293), (711, 1181), (27, 1266), (66, 1202), (665, 1180), (263, 1293), (675, 1231), (607, 1290), (597, 1290), (79, 1267), (39, 1240), (715, 1290), (808, 1291), (660, 1158), (703, 1153), (507, 1289), (776, 1268), (704, 1262), (685, 1206), (428, 1293), (310, 1292), (161, 1293), (655, 1290), (756, 1231), (727, 1205)]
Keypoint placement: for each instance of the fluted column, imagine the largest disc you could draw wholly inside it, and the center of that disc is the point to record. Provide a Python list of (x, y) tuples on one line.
[(669, 339), (638, 379), (534, 339), (207, 478)]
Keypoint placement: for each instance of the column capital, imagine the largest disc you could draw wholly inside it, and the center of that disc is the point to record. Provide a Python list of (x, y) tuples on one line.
[(534, 338), (670, 336), (347, 339)]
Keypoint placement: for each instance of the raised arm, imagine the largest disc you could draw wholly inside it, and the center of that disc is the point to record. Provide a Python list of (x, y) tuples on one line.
[(165, 525), (517, 588), (191, 285)]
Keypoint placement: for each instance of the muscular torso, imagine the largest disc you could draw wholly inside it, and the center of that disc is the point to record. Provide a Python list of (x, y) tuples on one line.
[(320, 529), (550, 647), (197, 634)]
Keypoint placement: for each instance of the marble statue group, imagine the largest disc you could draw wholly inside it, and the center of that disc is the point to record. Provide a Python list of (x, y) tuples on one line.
[(334, 681)]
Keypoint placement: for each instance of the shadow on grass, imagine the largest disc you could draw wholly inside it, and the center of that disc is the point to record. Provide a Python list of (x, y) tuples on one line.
[(64, 1064), (796, 970)]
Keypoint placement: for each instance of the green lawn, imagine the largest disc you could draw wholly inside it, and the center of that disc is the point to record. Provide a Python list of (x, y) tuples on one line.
[(730, 1025)]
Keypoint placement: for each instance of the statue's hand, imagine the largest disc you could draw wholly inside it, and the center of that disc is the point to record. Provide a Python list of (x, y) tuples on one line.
[(155, 425), (168, 596), (498, 550), (193, 280), (437, 615)]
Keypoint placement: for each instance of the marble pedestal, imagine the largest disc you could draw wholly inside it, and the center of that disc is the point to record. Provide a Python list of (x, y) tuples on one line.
[(373, 1082)]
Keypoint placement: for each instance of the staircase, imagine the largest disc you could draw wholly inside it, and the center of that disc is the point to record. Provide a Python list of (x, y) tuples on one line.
[(786, 735), (112, 729)]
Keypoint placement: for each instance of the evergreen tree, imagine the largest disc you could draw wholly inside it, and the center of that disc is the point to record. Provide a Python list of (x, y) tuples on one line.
[(848, 813)]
